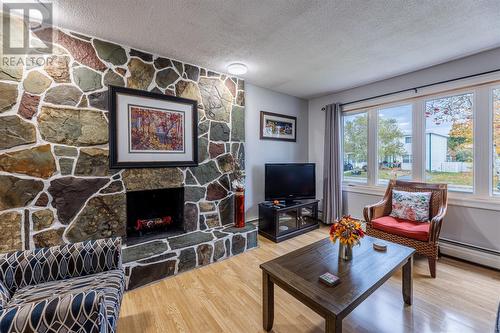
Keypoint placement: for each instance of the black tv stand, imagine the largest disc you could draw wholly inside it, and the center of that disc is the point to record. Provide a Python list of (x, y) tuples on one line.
[(288, 220), (282, 203)]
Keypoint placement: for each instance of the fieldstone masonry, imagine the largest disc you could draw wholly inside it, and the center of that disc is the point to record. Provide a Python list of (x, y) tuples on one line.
[(55, 183)]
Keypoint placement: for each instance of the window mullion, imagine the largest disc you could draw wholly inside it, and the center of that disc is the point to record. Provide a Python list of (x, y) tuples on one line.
[(482, 134), (372, 147), (494, 137), (418, 143)]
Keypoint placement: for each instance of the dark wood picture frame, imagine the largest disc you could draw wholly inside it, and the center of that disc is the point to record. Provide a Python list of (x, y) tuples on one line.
[(265, 113), (113, 134)]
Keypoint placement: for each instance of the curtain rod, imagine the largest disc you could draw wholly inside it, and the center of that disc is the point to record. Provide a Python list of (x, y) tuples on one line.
[(415, 89)]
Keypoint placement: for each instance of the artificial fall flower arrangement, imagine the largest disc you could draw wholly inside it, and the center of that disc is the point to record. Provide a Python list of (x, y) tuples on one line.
[(347, 230)]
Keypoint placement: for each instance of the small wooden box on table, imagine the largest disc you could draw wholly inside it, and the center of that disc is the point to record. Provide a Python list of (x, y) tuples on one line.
[(290, 220), (297, 273)]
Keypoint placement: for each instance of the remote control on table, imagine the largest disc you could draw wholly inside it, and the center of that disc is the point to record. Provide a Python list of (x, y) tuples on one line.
[(329, 279)]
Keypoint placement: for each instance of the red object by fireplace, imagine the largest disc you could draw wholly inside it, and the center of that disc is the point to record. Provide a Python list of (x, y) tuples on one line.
[(239, 213), (141, 225)]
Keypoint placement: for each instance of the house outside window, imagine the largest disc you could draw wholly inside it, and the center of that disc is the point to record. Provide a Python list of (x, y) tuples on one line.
[(449, 132)]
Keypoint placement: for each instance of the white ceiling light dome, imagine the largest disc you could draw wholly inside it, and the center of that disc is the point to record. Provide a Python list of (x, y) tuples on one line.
[(237, 68)]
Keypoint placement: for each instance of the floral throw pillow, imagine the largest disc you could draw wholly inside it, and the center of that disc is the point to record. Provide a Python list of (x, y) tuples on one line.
[(413, 206)]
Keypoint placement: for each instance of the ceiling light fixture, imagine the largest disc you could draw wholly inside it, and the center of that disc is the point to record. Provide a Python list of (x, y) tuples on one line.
[(237, 68)]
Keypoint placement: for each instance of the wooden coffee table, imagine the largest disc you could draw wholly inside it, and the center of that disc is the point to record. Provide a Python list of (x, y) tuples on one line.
[(297, 273)]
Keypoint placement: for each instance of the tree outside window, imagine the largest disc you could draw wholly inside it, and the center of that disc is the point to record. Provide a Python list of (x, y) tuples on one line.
[(394, 143), (449, 141), (355, 147)]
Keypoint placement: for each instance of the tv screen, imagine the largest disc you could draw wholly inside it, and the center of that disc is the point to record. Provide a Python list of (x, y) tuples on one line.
[(290, 181)]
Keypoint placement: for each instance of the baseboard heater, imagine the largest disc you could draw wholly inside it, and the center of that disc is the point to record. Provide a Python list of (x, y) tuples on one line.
[(471, 253)]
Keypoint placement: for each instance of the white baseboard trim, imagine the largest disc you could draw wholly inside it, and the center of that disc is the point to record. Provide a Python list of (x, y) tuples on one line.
[(470, 253)]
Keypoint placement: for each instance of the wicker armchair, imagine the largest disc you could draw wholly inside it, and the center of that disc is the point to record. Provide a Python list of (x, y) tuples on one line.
[(438, 206)]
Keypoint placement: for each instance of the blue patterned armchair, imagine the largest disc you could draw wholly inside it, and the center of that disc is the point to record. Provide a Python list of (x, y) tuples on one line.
[(69, 288)]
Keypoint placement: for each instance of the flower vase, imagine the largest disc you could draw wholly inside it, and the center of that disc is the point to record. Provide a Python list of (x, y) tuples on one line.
[(239, 207), (345, 251)]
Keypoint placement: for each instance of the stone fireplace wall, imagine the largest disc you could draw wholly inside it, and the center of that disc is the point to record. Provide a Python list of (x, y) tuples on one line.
[(55, 184)]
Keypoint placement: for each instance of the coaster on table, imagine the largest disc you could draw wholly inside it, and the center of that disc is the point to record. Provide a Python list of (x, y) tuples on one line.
[(380, 246)]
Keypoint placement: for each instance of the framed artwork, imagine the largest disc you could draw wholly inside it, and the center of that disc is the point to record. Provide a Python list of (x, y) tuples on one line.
[(280, 127), (150, 130)]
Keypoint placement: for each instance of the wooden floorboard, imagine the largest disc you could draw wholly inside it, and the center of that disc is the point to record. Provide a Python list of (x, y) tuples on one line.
[(226, 297)]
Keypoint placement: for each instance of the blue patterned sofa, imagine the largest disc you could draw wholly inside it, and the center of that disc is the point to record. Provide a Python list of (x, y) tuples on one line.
[(69, 288)]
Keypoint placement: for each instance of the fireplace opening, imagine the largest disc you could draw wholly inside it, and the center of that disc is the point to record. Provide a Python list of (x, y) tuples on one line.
[(154, 214)]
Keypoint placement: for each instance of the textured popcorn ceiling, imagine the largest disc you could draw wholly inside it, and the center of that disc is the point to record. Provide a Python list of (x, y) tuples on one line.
[(303, 48)]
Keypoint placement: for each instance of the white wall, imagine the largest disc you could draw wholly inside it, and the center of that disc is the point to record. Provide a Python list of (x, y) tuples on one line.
[(258, 152), (479, 227)]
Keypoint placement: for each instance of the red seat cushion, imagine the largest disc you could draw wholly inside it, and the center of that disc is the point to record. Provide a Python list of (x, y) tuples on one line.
[(400, 227)]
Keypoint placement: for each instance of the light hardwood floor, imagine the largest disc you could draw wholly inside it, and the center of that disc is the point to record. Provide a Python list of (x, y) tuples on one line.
[(226, 297)]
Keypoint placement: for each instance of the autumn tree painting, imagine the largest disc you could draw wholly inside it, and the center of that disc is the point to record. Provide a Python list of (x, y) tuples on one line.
[(156, 130)]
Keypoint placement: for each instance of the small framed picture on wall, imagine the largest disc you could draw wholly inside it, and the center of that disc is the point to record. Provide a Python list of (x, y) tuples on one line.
[(274, 126), (151, 130)]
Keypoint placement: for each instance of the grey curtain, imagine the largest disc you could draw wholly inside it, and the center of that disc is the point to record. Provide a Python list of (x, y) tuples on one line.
[(332, 168)]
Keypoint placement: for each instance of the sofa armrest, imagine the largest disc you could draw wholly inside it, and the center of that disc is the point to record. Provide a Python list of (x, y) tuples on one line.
[(109, 251), (25, 268), (80, 312), (374, 211)]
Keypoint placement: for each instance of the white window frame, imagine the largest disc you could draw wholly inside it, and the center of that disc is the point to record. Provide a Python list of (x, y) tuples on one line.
[(353, 181), (482, 88), (491, 133)]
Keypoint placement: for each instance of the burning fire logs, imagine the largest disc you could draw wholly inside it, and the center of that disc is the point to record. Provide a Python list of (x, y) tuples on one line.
[(156, 223)]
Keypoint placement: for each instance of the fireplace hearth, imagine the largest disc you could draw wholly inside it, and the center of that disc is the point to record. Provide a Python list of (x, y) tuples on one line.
[(154, 214)]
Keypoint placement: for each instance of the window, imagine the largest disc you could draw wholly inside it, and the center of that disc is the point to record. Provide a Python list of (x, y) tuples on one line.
[(449, 141), (394, 130), (496, 141), (355, 147), (440, 139)]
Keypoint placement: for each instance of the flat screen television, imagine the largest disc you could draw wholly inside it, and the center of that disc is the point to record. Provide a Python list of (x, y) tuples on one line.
[(290, 181)]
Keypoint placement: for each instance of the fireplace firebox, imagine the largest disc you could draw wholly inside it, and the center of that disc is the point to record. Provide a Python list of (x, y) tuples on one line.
[(154, 214)]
